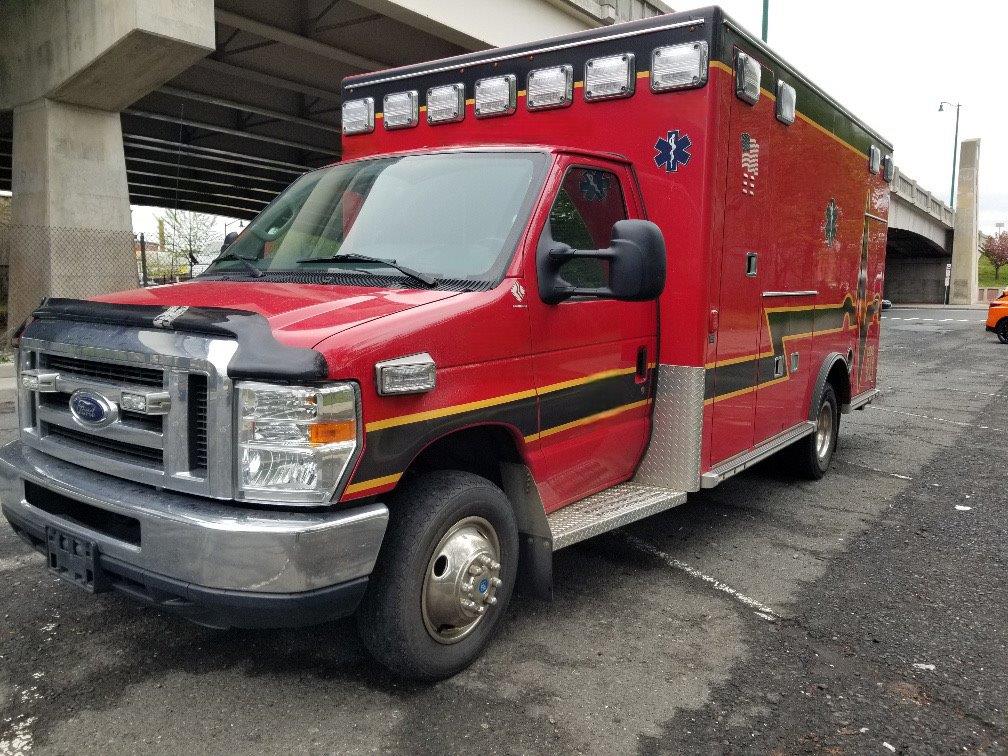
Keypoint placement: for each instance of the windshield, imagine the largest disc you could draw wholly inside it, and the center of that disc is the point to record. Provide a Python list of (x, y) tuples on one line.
[(451, 216)]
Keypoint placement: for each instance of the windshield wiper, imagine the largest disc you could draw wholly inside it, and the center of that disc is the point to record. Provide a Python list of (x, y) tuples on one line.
[(228, 256), (417, 275)]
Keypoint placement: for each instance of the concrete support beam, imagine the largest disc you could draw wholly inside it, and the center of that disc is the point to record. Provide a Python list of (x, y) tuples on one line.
[(70, 235), (966, 242), (67, 67), (479, 24)]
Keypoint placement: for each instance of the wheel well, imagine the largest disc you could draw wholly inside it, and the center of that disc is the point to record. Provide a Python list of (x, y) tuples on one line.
[(839, 378), (480, 450)]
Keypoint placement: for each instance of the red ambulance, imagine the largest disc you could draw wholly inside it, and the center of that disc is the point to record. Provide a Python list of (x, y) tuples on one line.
[(551, 289)]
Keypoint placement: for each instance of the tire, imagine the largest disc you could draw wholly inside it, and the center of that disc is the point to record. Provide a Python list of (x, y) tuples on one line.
[(814, 453), (442, 527), (1002, 331)]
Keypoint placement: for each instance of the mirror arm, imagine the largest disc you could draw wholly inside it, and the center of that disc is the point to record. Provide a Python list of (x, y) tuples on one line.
[(568, 253)]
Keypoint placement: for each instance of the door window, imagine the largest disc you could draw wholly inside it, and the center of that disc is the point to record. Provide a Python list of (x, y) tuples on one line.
[(589, 202)]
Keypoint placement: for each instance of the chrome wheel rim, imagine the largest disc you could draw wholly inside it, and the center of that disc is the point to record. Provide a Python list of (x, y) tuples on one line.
[(824, 432), (461, 581)]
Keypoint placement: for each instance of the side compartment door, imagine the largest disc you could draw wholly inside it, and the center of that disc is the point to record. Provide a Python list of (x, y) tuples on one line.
[(745, 252), (591, 357)]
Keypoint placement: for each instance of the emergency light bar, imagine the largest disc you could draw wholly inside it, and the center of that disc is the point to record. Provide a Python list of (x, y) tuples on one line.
[(679, 67), (610, 77), (358, 116), (401, 110), (550, 88), (446, 104), (496, 96)]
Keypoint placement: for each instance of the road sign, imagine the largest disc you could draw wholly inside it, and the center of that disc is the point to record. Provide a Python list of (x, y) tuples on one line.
[(948, 273)]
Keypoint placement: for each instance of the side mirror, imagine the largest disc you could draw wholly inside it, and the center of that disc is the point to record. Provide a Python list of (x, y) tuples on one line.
[(636, 259), (229, 240)]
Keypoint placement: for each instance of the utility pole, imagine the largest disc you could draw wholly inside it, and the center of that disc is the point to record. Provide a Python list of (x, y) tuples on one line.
[(955, 147), (766, 18), (143, 259)]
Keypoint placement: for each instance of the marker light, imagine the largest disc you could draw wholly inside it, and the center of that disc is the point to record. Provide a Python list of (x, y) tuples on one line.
[(401, 110), (888, 168), (406, 375), (496, 96), (610, 77), (446, 104), (358, 116), (747, 78), (786, 101), (874, 159), (550, 88), (679, 67)]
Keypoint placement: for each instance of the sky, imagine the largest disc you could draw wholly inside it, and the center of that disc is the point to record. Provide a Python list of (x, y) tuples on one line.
[(891, 62)]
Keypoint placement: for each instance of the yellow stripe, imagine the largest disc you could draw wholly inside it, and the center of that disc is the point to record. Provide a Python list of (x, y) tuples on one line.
[(643, 74), (590, 419), (373, 483)]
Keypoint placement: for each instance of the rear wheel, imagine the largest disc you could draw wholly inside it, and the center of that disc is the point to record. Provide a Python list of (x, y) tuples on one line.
[(1002, 331), (444, 576), (814, 453)]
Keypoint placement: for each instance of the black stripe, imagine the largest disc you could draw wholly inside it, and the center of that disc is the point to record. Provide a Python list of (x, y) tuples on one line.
[(391, 450)]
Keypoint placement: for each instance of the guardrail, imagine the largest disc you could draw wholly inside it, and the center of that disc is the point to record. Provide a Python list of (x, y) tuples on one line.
[(910, 191)]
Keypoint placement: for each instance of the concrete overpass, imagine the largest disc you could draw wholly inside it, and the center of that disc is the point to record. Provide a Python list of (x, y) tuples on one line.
[(919, 245), (206, 105)]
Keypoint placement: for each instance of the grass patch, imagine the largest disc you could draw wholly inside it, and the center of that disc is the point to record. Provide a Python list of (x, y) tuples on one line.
[(986, 274)]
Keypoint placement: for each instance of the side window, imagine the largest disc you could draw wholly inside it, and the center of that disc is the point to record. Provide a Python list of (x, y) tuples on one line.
[(589, 202)]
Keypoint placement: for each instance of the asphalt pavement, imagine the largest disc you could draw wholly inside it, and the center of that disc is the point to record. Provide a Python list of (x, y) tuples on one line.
[(864, 613)]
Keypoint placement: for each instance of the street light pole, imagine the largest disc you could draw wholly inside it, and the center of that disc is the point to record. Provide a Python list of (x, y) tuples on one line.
[(766, 18), (955, 148)]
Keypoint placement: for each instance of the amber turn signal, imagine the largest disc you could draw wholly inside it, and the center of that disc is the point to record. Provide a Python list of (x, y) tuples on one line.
[(332, 433)]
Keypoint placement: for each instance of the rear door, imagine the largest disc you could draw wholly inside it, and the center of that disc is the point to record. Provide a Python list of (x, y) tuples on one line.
[(591, 357)]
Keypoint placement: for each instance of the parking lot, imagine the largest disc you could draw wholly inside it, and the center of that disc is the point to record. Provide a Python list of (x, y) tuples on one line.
[(865, 613)]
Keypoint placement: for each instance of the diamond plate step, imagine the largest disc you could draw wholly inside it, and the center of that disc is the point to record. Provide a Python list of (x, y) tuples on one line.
[(608, 510)]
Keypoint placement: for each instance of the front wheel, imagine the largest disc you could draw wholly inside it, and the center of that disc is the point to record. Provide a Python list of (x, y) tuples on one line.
[(814, 453), (444, 576), (1002, 331)]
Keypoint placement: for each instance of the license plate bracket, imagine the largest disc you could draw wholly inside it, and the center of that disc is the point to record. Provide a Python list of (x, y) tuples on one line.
[(74, 558)]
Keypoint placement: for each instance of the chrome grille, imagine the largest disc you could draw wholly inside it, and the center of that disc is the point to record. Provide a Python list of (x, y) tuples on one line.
[(104, 371), (188, 449)]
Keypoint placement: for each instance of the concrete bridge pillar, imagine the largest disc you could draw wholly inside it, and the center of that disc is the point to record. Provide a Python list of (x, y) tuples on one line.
[(67, 67), (966, 241)]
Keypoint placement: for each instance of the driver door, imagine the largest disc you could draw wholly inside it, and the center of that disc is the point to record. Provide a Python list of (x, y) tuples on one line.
[(591, 357)]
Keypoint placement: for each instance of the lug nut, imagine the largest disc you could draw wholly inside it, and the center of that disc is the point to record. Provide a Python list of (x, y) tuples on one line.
[(475, 569), (495, 566), (492, 600), (495, 582), (481, 610)]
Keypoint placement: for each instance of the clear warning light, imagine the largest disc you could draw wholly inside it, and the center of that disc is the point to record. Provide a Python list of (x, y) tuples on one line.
[(400, 110), (496, 96), (550, 88), (358, 116), (609, 77), (679, 67), (446, 104)]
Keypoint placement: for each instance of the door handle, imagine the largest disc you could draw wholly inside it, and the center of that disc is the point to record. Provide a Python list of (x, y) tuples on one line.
[(750, 264), (642, 364)]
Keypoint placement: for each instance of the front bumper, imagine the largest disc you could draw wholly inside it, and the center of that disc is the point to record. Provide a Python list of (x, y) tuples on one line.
[(213, 562)]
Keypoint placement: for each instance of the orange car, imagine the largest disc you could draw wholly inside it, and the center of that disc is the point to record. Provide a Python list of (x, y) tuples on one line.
[(997, 317)]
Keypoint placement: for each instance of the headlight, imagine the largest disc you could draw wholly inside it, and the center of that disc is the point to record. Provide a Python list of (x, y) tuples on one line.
[(295, 443)]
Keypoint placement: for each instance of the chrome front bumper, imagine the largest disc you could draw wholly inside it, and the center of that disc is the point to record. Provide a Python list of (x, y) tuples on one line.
[(217, 562)]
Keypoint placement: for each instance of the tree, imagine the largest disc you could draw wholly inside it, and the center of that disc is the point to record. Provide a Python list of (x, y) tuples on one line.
[(995, 249), (184, 237)]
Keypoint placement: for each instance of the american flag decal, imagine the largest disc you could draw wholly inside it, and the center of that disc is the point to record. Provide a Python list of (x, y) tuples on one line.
[(750, 163)]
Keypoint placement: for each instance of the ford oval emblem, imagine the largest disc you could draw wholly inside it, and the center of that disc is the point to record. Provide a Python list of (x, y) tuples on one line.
[(92, 409)]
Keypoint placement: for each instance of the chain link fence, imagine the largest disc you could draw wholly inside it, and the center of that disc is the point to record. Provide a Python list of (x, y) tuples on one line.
[(65, 262)]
